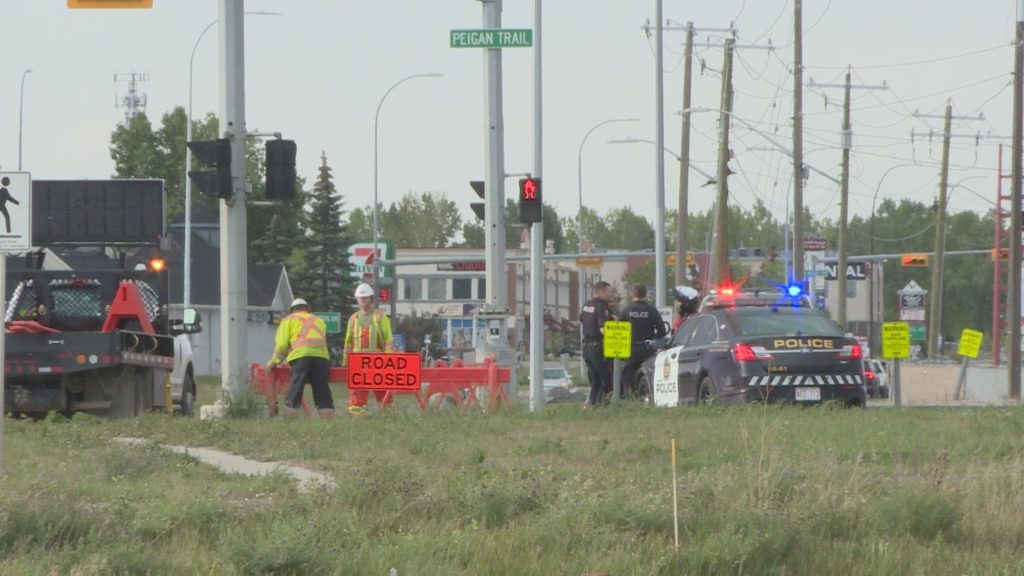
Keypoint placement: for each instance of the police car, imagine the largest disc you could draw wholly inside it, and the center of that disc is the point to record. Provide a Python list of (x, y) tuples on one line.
[(755, 346)]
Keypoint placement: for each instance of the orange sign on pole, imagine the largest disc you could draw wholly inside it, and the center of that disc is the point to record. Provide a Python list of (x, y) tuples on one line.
[(384, 372), (110, 3)]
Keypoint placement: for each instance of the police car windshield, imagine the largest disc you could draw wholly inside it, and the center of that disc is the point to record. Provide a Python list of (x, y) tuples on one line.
[(783, 321)]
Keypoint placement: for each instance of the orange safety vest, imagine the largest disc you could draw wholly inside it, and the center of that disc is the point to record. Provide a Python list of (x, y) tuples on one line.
[(300, 335)]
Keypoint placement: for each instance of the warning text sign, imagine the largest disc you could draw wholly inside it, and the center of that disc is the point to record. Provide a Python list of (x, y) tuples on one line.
[(617, 339), (895, 340), (970, 343)]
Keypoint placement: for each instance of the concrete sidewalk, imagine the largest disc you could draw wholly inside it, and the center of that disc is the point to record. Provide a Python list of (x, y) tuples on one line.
[(234, 464)]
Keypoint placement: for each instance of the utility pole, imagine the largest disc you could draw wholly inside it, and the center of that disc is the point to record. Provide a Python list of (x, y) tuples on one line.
[(935, 307), (798, 143), (1014, 288), (844, 199), (683, 216), (720, 263), (935, 314)]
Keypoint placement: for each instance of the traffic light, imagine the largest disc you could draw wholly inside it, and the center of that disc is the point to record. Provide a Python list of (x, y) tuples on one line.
[(281, 169), (914, 260), (478, 207), (531, 206), (215, 154), (1002, 254)]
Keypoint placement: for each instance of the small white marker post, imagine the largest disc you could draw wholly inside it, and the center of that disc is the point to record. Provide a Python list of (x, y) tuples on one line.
[(675, 495)]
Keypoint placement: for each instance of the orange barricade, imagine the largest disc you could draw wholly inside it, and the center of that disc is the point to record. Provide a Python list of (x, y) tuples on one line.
[(440, 379), (272, 385)]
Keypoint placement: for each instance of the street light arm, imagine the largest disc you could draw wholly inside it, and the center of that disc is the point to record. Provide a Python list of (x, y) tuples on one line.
[(376, 119), (670, 152)]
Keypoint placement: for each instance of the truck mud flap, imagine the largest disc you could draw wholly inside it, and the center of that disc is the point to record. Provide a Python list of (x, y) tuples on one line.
[(37, 398)]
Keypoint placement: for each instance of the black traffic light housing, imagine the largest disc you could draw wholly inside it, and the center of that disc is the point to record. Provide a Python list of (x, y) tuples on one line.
[(215, 154), (478, 207), (531, 204), (281, 176)]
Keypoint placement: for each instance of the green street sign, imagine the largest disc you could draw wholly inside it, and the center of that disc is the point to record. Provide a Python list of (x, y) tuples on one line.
[(917, 332), (332, 320), (492, 38)]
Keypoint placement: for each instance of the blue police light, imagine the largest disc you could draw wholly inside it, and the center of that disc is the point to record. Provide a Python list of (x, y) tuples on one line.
[(793, 292)]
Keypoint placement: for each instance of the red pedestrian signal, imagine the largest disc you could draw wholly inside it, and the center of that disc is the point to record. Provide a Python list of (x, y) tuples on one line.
[(384, 295), (531, 204)]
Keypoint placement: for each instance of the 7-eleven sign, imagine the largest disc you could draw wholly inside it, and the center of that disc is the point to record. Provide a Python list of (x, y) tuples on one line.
[(361, 259)]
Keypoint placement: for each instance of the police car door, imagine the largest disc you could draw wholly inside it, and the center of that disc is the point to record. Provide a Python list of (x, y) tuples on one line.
[(666, 367), (692, 355)]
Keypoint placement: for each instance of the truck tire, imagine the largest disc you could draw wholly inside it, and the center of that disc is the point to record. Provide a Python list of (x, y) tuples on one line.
[(134, 395), (125, 402), (188, 395)]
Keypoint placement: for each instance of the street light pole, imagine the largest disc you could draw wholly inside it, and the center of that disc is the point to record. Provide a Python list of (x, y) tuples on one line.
[(872, 341), (579, 182), (187, 273), (376, 210), (21, 109)]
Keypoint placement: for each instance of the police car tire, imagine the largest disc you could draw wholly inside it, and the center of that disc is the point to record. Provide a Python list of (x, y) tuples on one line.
[(705, 390), (643, 390)]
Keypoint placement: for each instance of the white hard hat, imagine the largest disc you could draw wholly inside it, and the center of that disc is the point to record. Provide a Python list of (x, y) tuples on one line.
[(364, 290), (299, 302)]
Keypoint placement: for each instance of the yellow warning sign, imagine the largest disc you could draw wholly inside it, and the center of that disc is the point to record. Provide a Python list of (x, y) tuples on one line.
[(970, 343), (618, 339), (895, 340)]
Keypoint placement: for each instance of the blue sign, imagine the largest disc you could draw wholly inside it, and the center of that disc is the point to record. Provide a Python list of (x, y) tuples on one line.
[(398, 340)]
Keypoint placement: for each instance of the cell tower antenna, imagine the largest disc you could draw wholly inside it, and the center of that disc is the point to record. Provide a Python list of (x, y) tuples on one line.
[(133, 102)]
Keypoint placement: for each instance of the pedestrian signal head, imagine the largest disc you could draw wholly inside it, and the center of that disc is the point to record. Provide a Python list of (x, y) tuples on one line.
[(364, 290)]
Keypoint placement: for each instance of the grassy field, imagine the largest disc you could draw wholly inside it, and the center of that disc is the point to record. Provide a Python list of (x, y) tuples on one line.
[(761, 491)]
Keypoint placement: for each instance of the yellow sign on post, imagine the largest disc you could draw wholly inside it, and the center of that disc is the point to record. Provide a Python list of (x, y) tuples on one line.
[(618, 339), (970, 343), (895, 340), (110, 3)]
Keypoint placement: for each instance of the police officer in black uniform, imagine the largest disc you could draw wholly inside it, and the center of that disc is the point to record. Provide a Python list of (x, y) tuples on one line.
[(647, 325), (595, 314)]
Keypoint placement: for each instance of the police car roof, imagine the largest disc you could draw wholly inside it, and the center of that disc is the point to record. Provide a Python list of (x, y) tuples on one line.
[(756, 298)]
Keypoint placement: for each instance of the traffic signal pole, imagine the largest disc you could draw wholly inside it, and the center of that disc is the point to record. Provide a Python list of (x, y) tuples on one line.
[(495, 311), (233, 267), (537, 229)]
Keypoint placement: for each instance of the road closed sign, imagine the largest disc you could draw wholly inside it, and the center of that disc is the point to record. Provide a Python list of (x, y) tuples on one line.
[(895, 340), (384, 372), (617, 339), (15, 212)]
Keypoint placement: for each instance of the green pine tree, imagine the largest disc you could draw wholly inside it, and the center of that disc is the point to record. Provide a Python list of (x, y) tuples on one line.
[(324, 281)]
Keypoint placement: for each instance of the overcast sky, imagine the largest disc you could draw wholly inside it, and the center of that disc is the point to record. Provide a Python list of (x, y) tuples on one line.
[(317, 72)]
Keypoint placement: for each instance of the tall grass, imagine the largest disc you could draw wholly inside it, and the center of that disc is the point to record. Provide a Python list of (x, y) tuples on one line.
[(762, 490)]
